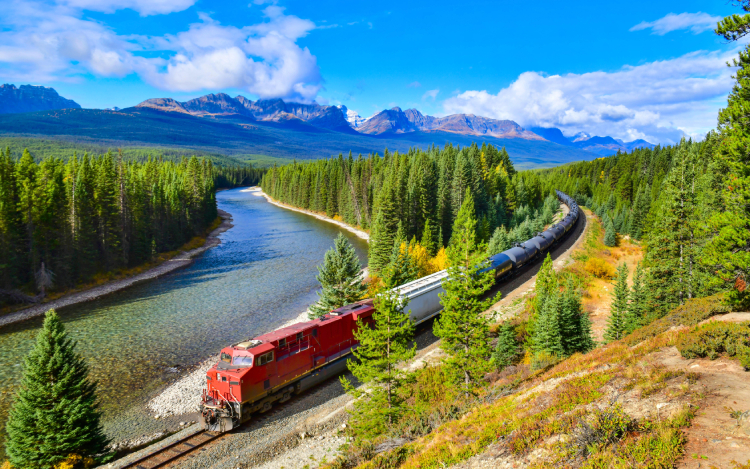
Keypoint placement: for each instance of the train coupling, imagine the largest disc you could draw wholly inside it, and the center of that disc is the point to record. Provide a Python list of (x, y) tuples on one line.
[(218, 417)]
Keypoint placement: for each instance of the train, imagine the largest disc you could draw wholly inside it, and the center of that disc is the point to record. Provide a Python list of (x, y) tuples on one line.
[(253, 375)]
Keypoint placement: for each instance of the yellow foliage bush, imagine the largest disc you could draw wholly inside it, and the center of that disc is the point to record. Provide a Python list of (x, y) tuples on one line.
[(440, 261), (6, 465), (75, 461), (600, 268)]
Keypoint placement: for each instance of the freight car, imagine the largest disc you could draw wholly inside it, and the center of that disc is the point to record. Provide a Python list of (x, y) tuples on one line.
[(254, 374)]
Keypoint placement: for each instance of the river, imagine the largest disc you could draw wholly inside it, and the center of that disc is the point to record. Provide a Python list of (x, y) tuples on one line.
[(259, 277)]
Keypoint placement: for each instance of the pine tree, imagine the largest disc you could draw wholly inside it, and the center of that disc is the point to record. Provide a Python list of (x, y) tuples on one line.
[(617, 322), (545, 285), (728, 253), (507, 349), (637, 306), (499, 242), (461, 326), (340, 276), (428, 238), (54, 414), (381, 348), (384, 229), (546, 335), (575, 325), (610, 236), (671, 245)]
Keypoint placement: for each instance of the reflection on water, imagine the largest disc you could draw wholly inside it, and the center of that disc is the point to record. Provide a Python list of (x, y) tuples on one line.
[(260, 276)]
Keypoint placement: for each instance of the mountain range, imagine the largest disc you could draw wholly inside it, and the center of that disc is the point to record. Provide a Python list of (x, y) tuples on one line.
[(29, 98), (599, 145), (278, 128)]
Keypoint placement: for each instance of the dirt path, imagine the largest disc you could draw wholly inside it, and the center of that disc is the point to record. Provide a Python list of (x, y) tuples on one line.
[(715, 439), (181, 260)]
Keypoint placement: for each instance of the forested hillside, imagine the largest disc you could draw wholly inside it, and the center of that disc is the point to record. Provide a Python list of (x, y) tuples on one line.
[(677, 200), (414, 195), (668, 198), (63, 222)]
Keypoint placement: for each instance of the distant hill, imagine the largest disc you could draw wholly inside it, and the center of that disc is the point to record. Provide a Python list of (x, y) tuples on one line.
[(271, 128), (29, 98), (604, 146)]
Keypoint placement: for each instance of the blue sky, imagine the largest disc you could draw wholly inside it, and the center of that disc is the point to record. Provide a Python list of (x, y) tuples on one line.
[(644, 69)]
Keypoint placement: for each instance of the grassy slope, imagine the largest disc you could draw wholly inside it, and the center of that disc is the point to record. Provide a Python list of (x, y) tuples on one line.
[(616, 406), (236, 135)]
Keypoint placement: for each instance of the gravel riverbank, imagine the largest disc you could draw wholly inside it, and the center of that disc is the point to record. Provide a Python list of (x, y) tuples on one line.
[(183, 397), (343, 225), (181, 260)]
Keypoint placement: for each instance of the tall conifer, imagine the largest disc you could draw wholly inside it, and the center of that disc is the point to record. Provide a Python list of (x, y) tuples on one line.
[(617, 321), (381, 348), (54, 414), (340, 277), (461, 327)]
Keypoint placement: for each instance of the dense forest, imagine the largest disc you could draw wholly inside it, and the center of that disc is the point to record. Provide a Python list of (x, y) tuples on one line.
[(677, 200), (63, 222), (666, 197), (414, 195)]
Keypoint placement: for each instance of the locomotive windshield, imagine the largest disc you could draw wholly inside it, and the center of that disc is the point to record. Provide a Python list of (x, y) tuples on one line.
[(225, 357), (242, 359)]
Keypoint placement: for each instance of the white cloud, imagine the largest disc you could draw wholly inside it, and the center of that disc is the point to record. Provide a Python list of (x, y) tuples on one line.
[(55, 43), (414, 84), (430, 94), (657, 101), (695, 22), (144, 7)]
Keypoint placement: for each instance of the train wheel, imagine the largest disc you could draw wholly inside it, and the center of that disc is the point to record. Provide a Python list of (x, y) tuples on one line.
[(266, 407)]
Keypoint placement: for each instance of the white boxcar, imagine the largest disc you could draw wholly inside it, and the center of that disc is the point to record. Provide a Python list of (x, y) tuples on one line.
[(422, 294)]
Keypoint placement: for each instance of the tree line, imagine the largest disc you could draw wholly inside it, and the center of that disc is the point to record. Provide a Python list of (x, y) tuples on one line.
[(63, 222), (413, 195)]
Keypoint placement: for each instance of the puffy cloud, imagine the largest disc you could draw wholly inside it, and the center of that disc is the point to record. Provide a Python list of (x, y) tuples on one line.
[(55, 43), (695, 22), (659, 101)]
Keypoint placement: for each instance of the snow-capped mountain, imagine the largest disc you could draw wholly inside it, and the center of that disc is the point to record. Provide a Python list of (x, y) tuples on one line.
[(354, 119)]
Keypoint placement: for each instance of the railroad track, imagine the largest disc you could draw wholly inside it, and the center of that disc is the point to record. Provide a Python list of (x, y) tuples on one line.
[(174, 451)]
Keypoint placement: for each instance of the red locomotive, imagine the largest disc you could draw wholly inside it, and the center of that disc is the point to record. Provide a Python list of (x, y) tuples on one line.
[(254, 374)]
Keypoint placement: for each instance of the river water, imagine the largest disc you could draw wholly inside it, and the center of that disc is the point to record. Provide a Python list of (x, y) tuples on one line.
[(260, 276)]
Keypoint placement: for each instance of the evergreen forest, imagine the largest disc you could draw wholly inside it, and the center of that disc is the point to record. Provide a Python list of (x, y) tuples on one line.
[(416, 195), (64, 222)]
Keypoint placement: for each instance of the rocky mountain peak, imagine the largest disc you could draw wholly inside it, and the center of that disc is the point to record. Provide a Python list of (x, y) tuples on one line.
[(30, 98)]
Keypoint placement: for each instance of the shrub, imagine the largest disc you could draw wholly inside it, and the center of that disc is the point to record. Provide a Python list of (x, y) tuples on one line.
[(600, 268), (689, 314), (714, 338), (543, 360), (602, 429)]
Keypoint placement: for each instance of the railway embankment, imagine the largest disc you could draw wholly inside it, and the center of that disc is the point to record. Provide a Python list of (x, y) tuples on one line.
[(179, 261)]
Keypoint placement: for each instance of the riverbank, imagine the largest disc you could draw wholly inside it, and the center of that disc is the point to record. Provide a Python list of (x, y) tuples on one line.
[(356, 231), (181, 260)]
